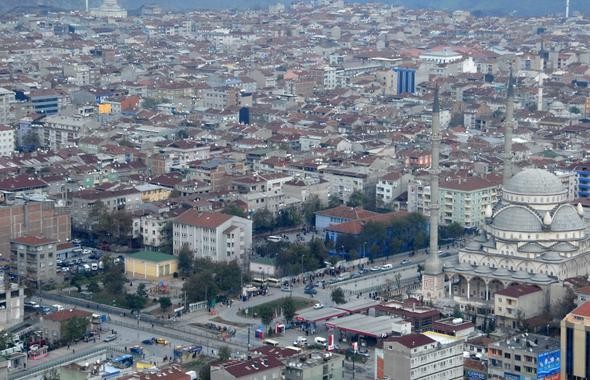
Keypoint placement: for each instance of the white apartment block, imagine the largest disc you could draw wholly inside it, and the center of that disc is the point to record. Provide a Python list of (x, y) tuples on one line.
[(428, 356), (213, 235), (263, 191), (390, 187), (62, 131), (345, 181), (7, 140), (462, 200), (7, 97)]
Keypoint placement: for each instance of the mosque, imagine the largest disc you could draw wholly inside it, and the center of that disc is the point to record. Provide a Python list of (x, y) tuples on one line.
[(109, 8), (531, 236)]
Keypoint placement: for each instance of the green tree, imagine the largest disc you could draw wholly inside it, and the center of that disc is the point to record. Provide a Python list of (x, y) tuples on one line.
[(141, 292), (224, 353), (93, 286), (165, 303), (356, 199), (457, 312), (575, 110), (311, 205), (182, 134), (200, 286), (263, 221), (114, 277), (6, 340), (334, 201), (289, 309), (74, 329), (266, 314), (338, 296), (30, 141), (234, 209), (135, 302), (185, 260)]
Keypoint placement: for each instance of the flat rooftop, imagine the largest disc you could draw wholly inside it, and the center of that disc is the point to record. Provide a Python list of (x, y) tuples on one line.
[(318, 315), (375, 327)]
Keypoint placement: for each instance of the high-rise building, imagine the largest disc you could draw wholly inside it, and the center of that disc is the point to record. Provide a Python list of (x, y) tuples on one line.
[(109, 8), (406, 80), (575, 341)]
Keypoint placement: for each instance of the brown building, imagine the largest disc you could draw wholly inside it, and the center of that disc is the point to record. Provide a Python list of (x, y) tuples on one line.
[(52, 324), (33, 258), (24, 218)]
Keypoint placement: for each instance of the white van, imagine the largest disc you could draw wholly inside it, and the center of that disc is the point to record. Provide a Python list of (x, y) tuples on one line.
[(301, 341), (321, 341), (387, 267), (271, 342), (94, 266), (57, 307)]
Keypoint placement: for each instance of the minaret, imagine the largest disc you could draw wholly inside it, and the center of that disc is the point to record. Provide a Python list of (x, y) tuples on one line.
[(567, 9), (508, 126), (87, 8), (433, 276), (540, 92)]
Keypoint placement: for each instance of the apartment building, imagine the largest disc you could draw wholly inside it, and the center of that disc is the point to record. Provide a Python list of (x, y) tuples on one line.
[(263, 191), (517, 303), (83, 202), (179, 153), (39, 218), (212, 235), (12, 304), (33, 259), (420, 356), (575, 339), (7, 97), (7, 140), (314, 366), (345, 181), (389, 187), (58, 132), (524, 357), (462, 200), (220, 98)]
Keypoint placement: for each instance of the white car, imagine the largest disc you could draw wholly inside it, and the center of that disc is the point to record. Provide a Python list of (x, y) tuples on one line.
[(318, 306), (375, 269), (406, 262)]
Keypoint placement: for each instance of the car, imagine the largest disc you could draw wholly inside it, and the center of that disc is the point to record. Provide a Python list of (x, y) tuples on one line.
[(375, 269), (406, 262), (318, 306), (286, 288), (387, 267), (149, 341), (301, 341), (310, 291), (161, 341), (109, 338)]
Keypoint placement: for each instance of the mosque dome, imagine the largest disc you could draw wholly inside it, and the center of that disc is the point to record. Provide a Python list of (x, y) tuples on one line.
[(534, 182), (517, 218), (566, 218)]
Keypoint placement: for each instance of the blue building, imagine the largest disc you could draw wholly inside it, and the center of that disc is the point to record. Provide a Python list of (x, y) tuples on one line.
[(406, 80), (583, 173), (45, 102)]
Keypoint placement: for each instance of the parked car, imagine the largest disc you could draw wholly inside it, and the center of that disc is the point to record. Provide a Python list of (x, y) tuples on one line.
[(406, 262), (310, 291), (387, 267), (375, 269), (301, 341), (161, 341), (149, 341), (109, 338), (318, 306)]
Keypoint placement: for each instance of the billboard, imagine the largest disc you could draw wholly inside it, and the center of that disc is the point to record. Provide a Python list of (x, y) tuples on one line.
[(548, 364)]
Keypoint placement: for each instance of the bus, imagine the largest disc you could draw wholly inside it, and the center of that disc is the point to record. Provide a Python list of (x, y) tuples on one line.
[(258, 282), (273, 282), (123, 361), (271, 342)]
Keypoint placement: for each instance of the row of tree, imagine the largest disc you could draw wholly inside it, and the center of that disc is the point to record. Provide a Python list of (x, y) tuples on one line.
[(292, 259), (208, 280)]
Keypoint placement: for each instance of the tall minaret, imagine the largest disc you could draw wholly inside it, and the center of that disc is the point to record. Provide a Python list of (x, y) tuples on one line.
[(540, 92), (567, 9), (87, 8), (433, 276), (508, 126)]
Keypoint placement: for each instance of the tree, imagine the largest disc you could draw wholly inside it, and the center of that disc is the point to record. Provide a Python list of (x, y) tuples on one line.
[(575, 110), (266, 314), (30, 141), (311, 205), (567, 303), (182, 134), (338, 296), (234, 209), (224, 353), (289, 309), (114, 277), (200, 286), (356, 199), (141, 292), (74, 329), (165, 303), (263, 220), (185, 260), (457, 312), (334, 201), (5, 340), (135, 302), (93, 286)]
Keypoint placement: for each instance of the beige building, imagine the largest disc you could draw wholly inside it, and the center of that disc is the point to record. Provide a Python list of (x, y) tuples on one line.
[(315, 366), (33, 259), (420, 356), (12, 304), (7, 97), (7, 143), (575, 333), (149, 265), (213, 235), (263, 191), (517, 303), (52, 324)]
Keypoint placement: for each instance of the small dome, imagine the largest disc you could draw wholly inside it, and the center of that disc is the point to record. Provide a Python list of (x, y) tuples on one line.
[(564, 247), (464, 267), (517, 218), (483, 269), (532, 247), (534, 182), (541, 278), (552, 256), (502, 272), (473, 246), (520, 275), (566, 218)]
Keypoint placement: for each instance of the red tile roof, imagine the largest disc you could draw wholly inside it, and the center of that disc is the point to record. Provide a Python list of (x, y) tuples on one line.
[(354, 227), (412, 340), (516, 291), (33, 240), (66, 315), (583, 310), (204, 220), (345, 212), (21, 182)]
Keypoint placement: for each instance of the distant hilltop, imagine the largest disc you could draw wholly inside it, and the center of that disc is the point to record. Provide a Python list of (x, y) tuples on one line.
[(478, 7)]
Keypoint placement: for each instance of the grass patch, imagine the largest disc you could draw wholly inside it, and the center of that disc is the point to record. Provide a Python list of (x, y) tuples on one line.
[(300, 303)]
